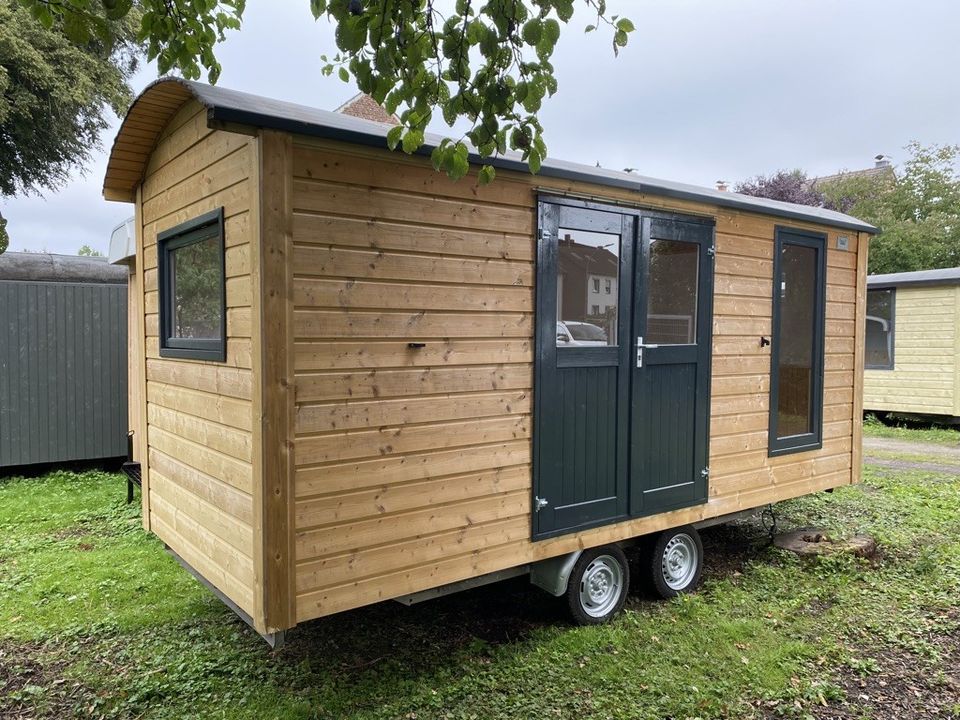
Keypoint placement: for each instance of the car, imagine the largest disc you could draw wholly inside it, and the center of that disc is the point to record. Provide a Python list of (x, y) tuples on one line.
[(580, 334)]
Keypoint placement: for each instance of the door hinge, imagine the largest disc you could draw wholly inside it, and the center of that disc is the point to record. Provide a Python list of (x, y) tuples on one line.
[(705, 473), (545, 234), (539, 504), (712, 251)]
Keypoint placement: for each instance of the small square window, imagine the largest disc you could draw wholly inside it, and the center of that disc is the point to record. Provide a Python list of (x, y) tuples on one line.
[(192, 288), (596, 285)]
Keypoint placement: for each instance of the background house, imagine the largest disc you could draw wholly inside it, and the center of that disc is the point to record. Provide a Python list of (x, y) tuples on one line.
[(912, 343), (63, 350)]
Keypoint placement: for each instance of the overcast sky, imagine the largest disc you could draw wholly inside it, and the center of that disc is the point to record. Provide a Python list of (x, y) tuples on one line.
[(706, 90)]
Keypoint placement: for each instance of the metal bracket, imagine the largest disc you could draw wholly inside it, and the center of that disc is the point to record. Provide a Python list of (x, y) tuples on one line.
[(712, 251), (705, 473), (539, 504)]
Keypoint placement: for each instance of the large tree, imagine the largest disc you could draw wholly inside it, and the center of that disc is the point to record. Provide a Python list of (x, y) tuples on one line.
[(484, 61), (785, 185), (916, 207), (918, 211), (57, 79)]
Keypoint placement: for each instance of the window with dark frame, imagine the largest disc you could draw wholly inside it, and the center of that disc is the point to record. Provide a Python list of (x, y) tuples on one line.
[(881, 313), (192, 286), (797, 351)]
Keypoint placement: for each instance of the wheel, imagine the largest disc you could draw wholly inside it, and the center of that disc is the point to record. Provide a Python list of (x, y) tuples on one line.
[(676, 561), (597, 589)]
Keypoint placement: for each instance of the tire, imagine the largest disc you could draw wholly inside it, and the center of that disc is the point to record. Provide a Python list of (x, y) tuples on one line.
[(598, 585), (676, 561)]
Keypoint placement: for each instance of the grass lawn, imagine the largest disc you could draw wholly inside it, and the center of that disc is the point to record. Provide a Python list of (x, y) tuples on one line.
[(96, 620)]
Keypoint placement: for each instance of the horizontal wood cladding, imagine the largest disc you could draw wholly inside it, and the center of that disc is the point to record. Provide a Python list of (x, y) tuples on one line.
[(413, 464), (405, 455), (199, 414), (926, 352)]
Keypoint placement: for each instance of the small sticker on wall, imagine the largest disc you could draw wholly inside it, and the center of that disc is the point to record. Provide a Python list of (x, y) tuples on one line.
[(843, 242)]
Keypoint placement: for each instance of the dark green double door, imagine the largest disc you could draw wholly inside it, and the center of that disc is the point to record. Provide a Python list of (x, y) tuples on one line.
[(624, 305)]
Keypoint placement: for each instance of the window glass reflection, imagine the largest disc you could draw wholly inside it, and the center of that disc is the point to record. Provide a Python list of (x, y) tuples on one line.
[(798, 297), (672, 292), (879, 354), (588, 271)]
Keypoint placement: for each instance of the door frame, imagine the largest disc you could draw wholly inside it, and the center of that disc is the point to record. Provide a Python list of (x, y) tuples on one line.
[(544, 332)]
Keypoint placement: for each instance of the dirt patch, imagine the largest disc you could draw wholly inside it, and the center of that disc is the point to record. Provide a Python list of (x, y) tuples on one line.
[(901, 686), (904, 464), (894, 445), (71, 532), (32, 684)]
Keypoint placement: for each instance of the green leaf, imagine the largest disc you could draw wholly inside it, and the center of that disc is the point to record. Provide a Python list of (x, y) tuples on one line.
[(534, 160), (344, 75), (351, 34), (393, 136), (625, 25), (533, 31), (412, 140), (486, 175)]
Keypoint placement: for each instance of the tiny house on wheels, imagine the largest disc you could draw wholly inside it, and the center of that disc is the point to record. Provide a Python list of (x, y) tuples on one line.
[(912, 355), (363, 381)]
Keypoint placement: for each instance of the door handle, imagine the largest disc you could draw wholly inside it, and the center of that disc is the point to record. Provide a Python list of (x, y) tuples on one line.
[(640, 348)]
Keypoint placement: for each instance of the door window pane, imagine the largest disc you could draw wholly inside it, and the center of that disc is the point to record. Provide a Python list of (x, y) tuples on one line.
[(588, 264), (879, 352), (797, 340), (672, 283)]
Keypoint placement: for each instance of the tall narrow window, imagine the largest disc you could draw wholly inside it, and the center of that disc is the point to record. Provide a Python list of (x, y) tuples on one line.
[(880, 316), (796, 377), (193, 289)]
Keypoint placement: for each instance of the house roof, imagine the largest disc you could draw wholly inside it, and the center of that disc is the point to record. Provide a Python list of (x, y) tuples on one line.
[(232, 110), (46, 267), (883, 171), (944, 276), (365, 107)]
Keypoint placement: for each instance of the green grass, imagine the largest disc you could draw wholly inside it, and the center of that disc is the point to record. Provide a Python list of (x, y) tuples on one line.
[(912, 431), (98, 620)]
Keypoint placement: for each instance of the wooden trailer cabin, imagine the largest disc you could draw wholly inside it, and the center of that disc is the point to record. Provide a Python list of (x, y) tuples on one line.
[(912, 355), (363, 381)]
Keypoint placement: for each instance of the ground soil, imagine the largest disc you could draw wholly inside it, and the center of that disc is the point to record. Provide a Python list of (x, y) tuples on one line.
[(874, 447), (33, 684), (901, 687)]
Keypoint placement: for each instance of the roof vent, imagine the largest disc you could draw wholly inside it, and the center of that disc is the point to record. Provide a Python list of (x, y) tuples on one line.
[(882, 161), (723, 185)]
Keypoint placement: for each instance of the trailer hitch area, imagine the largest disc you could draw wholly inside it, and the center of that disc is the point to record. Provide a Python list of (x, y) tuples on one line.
[(553, 575)]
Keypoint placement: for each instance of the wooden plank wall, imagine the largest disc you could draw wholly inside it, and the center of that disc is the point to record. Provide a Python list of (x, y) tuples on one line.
[(925, 355), (199, 414), (413, 465)]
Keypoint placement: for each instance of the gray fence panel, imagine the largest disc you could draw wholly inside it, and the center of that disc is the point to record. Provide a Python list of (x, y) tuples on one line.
[(63, 372)]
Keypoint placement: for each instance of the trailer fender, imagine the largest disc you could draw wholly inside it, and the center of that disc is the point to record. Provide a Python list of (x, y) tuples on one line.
[(553, 575)]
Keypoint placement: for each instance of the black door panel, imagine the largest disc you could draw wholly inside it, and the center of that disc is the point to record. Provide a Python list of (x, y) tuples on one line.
[(613, 439)]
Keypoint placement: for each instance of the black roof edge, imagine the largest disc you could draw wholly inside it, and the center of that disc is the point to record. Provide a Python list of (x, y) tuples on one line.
[(227, 115), (888, 285)]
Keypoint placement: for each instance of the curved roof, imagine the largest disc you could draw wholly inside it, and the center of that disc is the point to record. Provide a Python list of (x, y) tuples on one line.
[(234, 110), (45, 267)]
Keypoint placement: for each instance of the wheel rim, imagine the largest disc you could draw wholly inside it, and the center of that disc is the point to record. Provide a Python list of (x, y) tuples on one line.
[(601, 586), (680, 561)]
